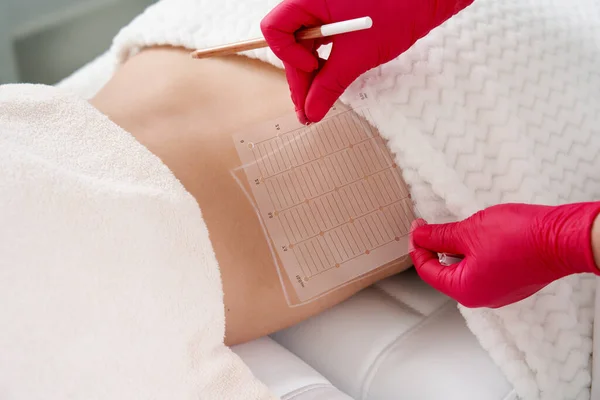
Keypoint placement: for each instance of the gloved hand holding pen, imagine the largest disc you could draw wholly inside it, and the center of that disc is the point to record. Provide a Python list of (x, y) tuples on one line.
[(316, 84)]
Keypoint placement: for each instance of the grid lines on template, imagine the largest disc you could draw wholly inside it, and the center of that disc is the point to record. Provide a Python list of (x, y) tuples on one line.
[(335, 190)]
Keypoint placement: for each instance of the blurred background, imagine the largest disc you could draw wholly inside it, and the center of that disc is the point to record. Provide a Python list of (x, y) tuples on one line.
[(44, 41)]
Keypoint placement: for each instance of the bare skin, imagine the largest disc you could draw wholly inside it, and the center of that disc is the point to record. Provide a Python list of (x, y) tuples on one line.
[(185, 111), (596, 241)]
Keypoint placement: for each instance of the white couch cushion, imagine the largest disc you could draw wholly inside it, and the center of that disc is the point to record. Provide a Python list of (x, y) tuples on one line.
[(284, 373), (398, 339)]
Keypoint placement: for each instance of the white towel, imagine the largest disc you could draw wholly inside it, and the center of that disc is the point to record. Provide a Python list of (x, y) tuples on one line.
[(499, 104), (109, 288)]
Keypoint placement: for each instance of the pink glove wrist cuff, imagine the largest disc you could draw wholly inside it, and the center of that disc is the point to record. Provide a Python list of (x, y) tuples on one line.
[(575, 236)]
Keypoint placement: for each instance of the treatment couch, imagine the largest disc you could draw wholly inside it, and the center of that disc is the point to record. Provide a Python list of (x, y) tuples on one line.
[(397, 340)]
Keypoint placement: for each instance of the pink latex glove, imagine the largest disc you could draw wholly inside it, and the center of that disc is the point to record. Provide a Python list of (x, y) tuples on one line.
[(316, 84), (510, 251)]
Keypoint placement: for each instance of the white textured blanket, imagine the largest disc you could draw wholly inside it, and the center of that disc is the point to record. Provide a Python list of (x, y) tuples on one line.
[(109, 288), (501, 103)]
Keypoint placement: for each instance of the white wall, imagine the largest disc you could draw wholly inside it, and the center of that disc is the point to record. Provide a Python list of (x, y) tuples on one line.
[(43, 41), (23, 11), (18, 14), (8, 72)]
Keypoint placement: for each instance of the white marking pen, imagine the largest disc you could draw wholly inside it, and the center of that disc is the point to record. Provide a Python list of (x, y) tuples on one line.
[(447, 259), (336, 28)]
